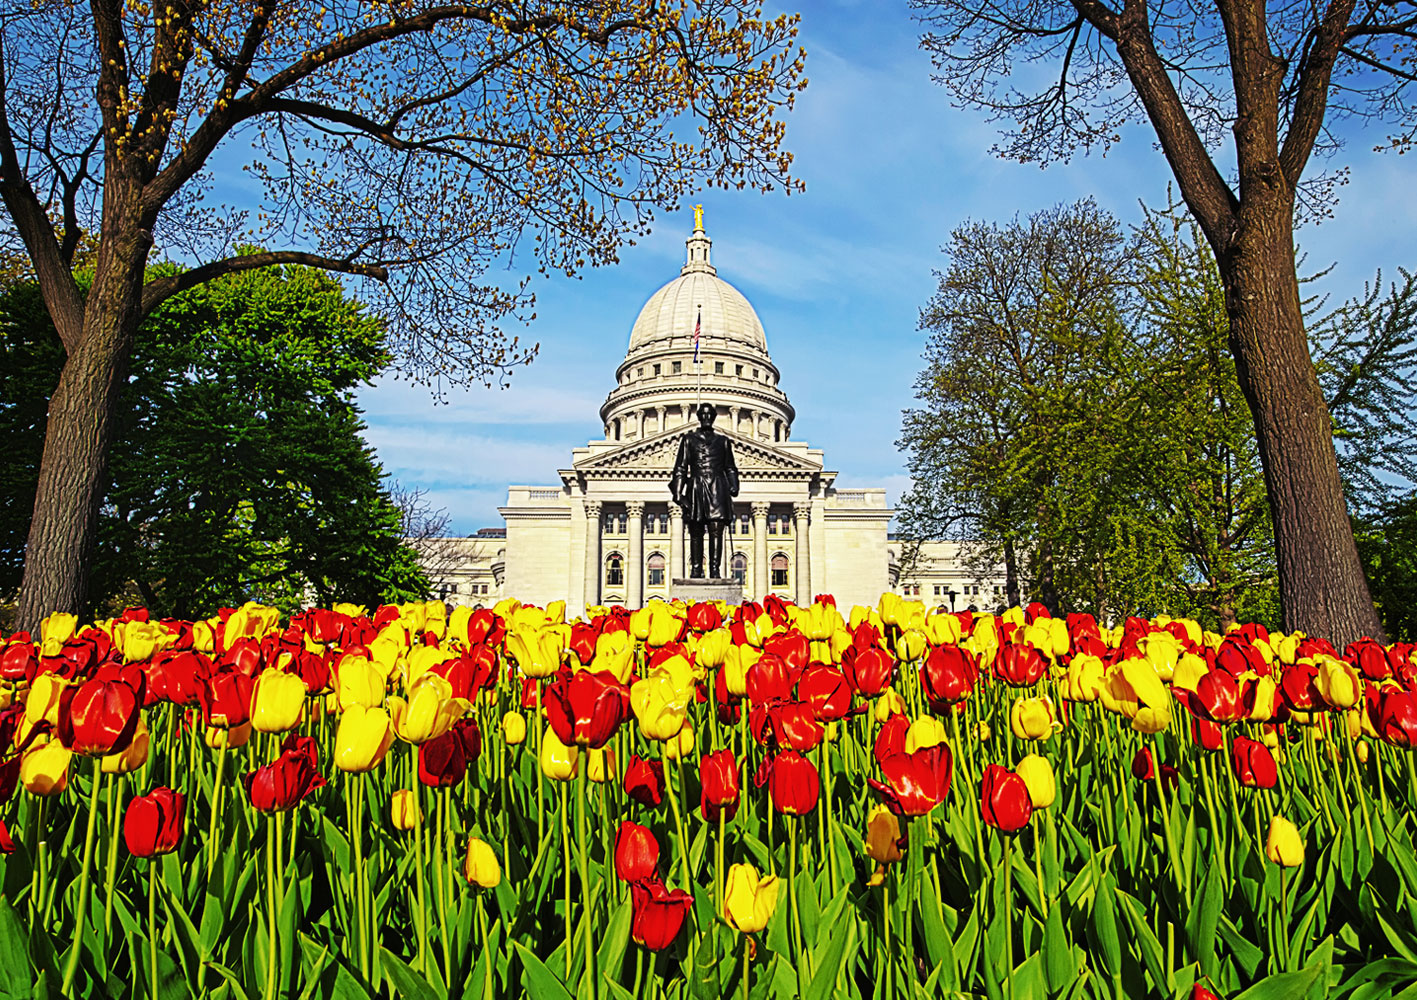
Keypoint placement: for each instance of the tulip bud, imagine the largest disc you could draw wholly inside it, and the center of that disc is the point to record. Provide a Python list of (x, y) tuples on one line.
[(600, 764), (481, 867), (882, 840), (749, 900), (1284, 846), (514, 729), (982, 732), (1037, 774), (405, 810), (217, 737), (558, 761), (1362, 752), (44, 769), (889, 703)]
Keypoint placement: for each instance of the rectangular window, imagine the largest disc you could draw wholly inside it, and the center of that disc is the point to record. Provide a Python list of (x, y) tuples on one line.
[(939, 590), (779, 577), (772, 525), (656, 369), (656, 576), (737, 369), (755, 373), (678, 367), (743, 523), (718, 367), (639, 371)]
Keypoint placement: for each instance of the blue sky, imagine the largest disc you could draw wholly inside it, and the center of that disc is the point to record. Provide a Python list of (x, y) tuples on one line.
[(837, 275)]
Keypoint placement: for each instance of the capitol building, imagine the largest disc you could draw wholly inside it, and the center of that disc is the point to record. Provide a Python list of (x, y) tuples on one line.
[(605, 530)]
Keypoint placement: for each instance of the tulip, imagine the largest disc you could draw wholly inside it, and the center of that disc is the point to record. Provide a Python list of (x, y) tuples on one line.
[(657, 913), (1032, 718), (360, 683), (58, 628), (1208, 734), (1019, 665), (44, 768), (925, 732), (430, 710), (615, 653), (883, 841), (1199, 992), (558, 760), (948, 676), (1254, 764), (100, 716), (718, 783), (139, 640), (536, 650), (514, 729), (794, 727), (915, 782), (282, 784), (793, 783), (1082, 681), (868, 671), (1284, 846), (1004, 799), (131, 758), (217, 738), (587, 708), (711, 651), (736, 664), (888, 704), (826, 691), (1133, 689), (225, 697), (749, 899), (442, 761), (661, 701), (1339, 683), (480, 866), (153, 823), (704, 616), (644, 781), (277, 702), (363, 738), (636, 852), (1037, 774), (910, 645), (404, 809)]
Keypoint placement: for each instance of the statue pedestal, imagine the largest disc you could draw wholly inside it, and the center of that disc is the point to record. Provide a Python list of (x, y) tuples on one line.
[(722, 588)]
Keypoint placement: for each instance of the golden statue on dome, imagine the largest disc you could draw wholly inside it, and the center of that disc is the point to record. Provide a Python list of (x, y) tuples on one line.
[(698, 218)]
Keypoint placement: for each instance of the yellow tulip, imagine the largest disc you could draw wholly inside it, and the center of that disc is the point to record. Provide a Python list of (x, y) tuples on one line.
[(514, 729), (982, 732), (429, 712), (615, 652), (360, 683), (661, 700), (42, 704), (480, 866), (736, 664), (405, 810), (435, 618), (910, 645), (506, 608), (413, 616), (1037, 774), (882, 841), (889, 703), (1264, 697), (219, 737), (558, 761), (251, 620), (925, 732), (419, 660), (277, 701), (556, 613), (140, 640), (748, 898), (134, 756), (204, 636), (1014, 616), (55, 630), (600, 764), (1082, 681), (1339, 683), (386, 652), (861, 614), (711, 650), (1133, 688), (363, 738), (1284, 846), (681, 747), (891, 608), (1162, 651), (537, 651), (44, 769), (457, 624), (1190, 668), (1033, 719)]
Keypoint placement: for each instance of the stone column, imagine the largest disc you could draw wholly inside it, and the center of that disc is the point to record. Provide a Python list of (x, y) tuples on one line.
[(635, 592), (803, 558), (760, 550), (676, 542), (593, 570)]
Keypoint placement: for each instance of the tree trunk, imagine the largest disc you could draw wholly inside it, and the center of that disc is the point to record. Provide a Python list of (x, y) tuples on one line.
[(1321, 584), (72, 469), (1011, 591)]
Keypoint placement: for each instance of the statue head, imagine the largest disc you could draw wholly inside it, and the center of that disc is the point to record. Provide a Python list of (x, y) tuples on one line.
[(707, 412)]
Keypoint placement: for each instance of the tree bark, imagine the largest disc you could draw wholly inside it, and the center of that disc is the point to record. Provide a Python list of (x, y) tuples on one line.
[(1321, 583)]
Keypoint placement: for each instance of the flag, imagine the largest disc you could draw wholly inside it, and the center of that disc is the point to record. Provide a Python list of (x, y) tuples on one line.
[(698, 324)]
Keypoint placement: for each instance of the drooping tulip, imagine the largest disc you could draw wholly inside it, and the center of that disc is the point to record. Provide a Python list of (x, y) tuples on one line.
[(152, 824), (883, 840), (657, 914), (749, 899)]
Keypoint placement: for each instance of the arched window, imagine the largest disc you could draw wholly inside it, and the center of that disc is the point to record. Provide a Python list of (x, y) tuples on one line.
[(740, 568), (779, 570), (656, 570), (614, 570)]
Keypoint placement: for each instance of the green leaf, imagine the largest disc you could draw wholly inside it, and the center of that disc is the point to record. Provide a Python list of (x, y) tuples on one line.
[(1151, 954), (539, 981), (14, 954), (1104, 928), (1059, 968), (336, 981), (407, 983), (1204, 918), (1283, 985), (828, 965), (615, 938)]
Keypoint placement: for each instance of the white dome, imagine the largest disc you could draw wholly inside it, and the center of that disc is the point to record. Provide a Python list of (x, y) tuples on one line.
[(672, 311)]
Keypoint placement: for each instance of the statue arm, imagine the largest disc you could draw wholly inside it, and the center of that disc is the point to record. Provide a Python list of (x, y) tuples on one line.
[(730, 468), (679, 478)]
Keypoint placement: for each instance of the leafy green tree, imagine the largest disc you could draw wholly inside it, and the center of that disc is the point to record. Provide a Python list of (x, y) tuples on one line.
[(238, 470)]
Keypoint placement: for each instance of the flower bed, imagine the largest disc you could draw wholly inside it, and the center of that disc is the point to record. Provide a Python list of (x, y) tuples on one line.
[(762, 800)]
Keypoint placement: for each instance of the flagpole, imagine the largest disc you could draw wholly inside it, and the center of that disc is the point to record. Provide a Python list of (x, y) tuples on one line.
[(698, 366)]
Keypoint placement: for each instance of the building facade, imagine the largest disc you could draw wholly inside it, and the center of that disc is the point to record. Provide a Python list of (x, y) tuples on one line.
[(607, 531)]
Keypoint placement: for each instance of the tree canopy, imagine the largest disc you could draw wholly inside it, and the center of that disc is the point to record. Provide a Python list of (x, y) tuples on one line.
[(238, 469)]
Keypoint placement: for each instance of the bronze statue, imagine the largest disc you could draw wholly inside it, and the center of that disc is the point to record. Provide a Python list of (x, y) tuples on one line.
[(704, 483)]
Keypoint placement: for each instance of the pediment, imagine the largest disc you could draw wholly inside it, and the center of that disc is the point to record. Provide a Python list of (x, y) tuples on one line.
[(656, 455)]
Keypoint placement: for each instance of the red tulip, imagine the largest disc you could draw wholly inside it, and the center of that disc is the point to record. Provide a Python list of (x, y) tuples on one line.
[(636, 852), (794, 726), (1237, 656), (1300, 689), (793, 783), (582, 643), (1004, 800), (657, 914), (1208, 734), (99, 716), (728, 707), (442, 761), (1144, 770), (644, 781), (1019, 665), (770, 679), (19, 660), (915, 782), (586, 709), (1221, 697), (947, 676), (718, 784), (1254, 764), (793, 647), (1199, 992), (1393, 713), (484, 627), (153, 823), (891, 738), (176, 676), (704, 617), (282, 784), (7, 845), (470, 672), (826, 691), (867, 670), (225, 697)]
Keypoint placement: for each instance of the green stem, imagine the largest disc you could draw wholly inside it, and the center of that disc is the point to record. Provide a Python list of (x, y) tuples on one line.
[(71, 968), (584, 869), (271, 907), (1182, 885), (214, 827), (115, 800), (566, 878), (1008, 915), (421, 879), (440, 865), (152, 927)]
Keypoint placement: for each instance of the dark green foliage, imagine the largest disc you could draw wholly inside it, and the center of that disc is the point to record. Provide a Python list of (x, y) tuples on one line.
[(237, 470)]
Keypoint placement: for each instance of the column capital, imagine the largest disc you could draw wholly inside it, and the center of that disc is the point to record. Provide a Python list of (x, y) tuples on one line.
[(760, 509), (635, 508), (802, 510), (675, 511), (592, 508)]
